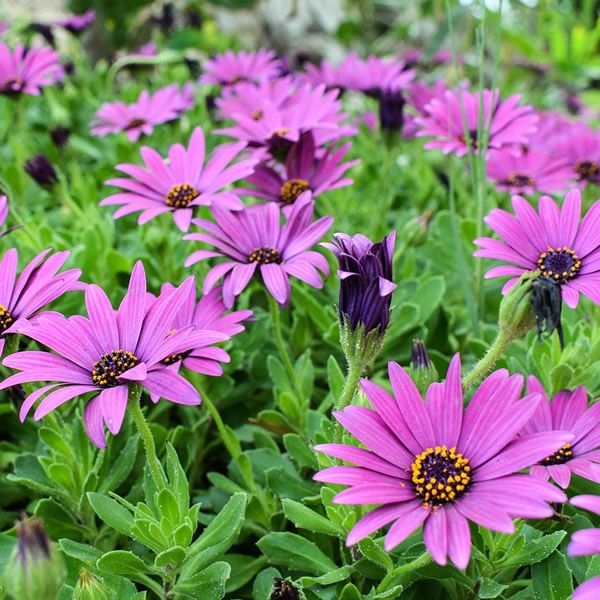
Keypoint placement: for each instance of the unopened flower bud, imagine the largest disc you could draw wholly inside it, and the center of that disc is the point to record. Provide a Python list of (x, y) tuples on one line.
[(516, 315), (41, 169), (284, 589), (391, 110), (423, 371), (415, 232), (90, 587), (60, 136)]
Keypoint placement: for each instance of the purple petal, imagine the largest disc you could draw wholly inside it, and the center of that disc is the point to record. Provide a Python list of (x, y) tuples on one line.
[(113, 402)]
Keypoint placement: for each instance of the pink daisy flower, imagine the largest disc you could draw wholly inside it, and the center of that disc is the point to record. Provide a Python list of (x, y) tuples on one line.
[(419, 95), (232, 67), (303, 171), (528, 172), (551, 126), (148, 110), (103, 353), (253, 239), (568, 411), (77, 23), (182, 183), (375, 74), (586, 542), (27, 70), (509, 124), (3, 209), (38, 284), (554, 242), (579, 148), (440, 465)]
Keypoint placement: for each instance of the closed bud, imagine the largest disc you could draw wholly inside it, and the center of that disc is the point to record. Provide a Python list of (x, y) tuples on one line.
[(422, 370), (516, 315), (41, 169), (391, 110), (60, 136), (415, 232), (90, 587)]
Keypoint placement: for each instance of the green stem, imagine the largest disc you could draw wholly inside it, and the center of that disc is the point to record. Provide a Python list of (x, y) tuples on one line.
[(142, 426), (355, 370), (420, 562), (487, 362), (277, 333)]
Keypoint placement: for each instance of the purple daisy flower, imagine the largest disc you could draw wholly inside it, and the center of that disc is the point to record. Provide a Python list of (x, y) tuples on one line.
[(586, 542), (442, 465), (148, 110), (568, 411), (509, 124), (38, 284), (77, 23), (253, 239), (27, 70), (232, 67), (182, 183), (418, 97), (528, 172), (579, 148), (3, 209), (303, 171), (553, 242), (375, 74), (103, 353)]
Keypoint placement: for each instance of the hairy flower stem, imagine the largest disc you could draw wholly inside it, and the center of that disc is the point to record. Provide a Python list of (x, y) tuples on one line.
[(156, 470), (487, 362), (420, 562), (355, 370)]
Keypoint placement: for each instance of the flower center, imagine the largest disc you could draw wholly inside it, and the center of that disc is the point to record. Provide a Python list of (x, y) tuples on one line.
[(520, 180), (12, 84), (281, 131), (236, 79), (6, 319), (257, 115), (561, 264), (181, 195), (471, 136), (560, 457), (291, 189), (265, 256), (171, 360), (111, 365), (135, 123), (440, 475), (586, 169)]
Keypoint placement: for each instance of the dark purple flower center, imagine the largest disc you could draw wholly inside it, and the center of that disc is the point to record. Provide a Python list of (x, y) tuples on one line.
[(6, 319), (111, 365), (291, 189), (562, 456), (265, 256), (12, 85), (440, 475), (135, 123), (520, 180), (586, 169), (171, 360), (236, 79), (560, 264), (471, 137), (181, 195), (257, 115)]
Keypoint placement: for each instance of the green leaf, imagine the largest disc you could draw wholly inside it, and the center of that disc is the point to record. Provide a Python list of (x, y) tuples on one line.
[(295, 552), (305, 518), (375, 552), (552, 578), (169, 509), (243, 569), (278, 373), (178, 480), (490, 588), (172, 557), (288, 485), (57, 520), (56, 442), (335, 377), (329, 578), (209, 584), (83, 552), (121, 562), (535, 550), (121, 466), (111, 512)]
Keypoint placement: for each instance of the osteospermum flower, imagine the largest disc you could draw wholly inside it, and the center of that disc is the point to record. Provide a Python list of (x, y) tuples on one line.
[(75, 24), (553, 242), (182, 183), (586, 542), (303, 171), (253, 239), (105, 352), (526, 173), (232, 67), (38, 284), (579, 148), (27, 70), (418, 96), (440, 465), (147, 111), (376, 75), (453, 119), (3, 209)]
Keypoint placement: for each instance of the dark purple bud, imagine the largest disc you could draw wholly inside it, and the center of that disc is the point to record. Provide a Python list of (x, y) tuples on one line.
[(41, 169), (391, 110), (60, 136), (44, 30), (33, 544), (69, 67), (419, 358), (284, 590), (546, 301), (422, 370)]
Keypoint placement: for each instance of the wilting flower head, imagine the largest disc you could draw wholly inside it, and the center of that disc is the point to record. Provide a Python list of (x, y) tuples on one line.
[(232, 67), (77, 23), (147, 111), (182, 183), (439, 464), (253, 239), (568, 411), (366, 286), (102, 353), (303, 171), (283, 589), (586, 542), (554, 242), (27, 70), (452, 129), (38, 284), (41, 169), (527, 173)]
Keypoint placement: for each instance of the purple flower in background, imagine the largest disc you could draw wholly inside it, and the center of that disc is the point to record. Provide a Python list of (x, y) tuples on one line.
[(148, 110), (147, 49), (253, 239), (586, 542), (366, 284), (232, 67), (103, 353), (27, 70), (60, 136), (554, 242), (568, 411), (419, 95), (439, 464), (529, 172), (375, 74), (3, 209), (41, 170), (77, 23), (303, 171), (38, 284), (453, 131), (182, 183), (579, 148)]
